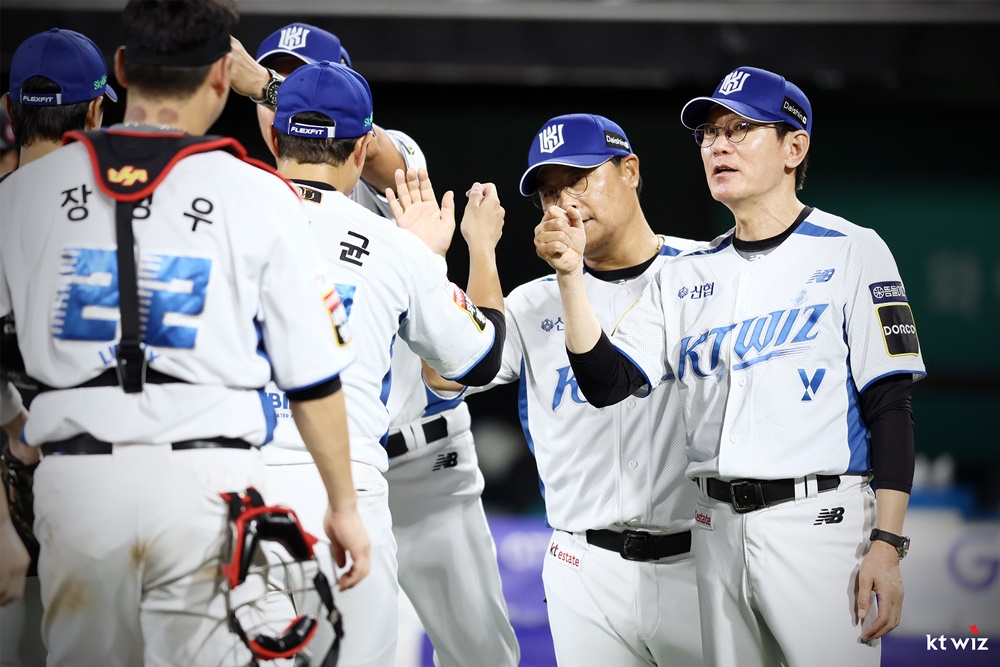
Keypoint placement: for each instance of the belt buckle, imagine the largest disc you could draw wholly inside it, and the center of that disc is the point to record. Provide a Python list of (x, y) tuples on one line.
[(734, 500), (638, 541)]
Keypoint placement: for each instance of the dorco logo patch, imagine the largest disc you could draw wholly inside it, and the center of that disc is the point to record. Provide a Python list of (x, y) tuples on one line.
[(898, 330), (462, 301), (565, 556), (703, 517)]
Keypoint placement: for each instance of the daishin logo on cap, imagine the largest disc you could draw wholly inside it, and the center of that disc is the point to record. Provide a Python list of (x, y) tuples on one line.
[(550, 138), (293, 37), (733, 83)]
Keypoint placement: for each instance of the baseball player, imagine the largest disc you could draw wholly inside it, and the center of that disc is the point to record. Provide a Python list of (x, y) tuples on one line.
[(795, 349), (70, 64), (447, 562), (324, 112), (619, 575), (152, 363)]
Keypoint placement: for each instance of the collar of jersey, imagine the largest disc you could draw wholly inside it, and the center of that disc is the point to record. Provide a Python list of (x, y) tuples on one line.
[(774, 241), (316, 185)]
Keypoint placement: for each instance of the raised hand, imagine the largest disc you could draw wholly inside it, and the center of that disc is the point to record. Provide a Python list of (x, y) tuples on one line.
[(560, 239), (416, 209), (482, 222)]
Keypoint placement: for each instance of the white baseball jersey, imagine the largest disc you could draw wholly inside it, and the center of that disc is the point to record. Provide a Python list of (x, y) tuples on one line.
[(617, 466), (771, 355), (389, 281), (229, 293), (372, 199)]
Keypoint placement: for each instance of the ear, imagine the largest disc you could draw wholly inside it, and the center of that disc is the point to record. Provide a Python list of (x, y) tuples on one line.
[(7, 105), (630, 170), (95, 113), (120, 66), (218, 75), (272, 140), (796, 147), (361, 149)]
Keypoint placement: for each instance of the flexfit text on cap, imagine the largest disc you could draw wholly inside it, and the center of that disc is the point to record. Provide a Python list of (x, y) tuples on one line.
[(755, 94), (574, 140), (328, 88), (303, 41), (71, 60)]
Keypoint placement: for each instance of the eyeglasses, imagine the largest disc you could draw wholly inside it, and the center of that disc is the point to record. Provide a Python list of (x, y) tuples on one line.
[(574, 183), (735, 130)]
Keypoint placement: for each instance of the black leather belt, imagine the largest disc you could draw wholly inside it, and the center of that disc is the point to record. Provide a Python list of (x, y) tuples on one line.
[(88, 444), (747, 495), (637, 545), (436, 429)]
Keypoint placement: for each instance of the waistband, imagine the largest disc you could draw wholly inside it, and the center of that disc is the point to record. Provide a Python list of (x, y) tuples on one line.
[(88, 444), (418, 434), (639, 545), (747, 495)]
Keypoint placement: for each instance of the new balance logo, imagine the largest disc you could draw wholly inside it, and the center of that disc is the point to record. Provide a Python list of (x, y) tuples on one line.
[(550, 138), (127, 176), (446, 460), (835, 515)]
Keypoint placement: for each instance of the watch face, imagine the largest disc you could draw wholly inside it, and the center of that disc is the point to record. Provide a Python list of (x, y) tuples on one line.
[(904, 547)]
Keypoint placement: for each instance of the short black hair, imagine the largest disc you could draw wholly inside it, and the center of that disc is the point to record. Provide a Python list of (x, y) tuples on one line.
[(168, 27), (800, 171), (333, 152), (45, 123)]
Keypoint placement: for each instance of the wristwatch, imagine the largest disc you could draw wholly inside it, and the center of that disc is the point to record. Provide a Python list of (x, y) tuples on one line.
[(269, 95), (901, 542)]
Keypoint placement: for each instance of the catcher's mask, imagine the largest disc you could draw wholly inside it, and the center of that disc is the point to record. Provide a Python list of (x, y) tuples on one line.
[(253, 522)]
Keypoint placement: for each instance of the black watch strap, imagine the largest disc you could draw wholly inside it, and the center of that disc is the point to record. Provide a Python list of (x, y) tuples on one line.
[(900, 542)]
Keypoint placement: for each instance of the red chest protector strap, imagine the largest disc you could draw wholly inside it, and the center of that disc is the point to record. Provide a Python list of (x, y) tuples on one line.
[(127, 168)]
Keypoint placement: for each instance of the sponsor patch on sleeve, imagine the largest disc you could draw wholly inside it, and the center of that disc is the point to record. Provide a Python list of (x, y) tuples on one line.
[(898, 330), (888, 292), (338, 316), (462, 300)]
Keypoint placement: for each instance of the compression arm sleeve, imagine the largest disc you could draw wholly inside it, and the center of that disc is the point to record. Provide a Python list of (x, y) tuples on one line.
[(605, 375), (487, 368), (885, 408)]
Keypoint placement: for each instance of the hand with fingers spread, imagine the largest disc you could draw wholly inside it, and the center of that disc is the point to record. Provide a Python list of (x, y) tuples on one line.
[(416, 209), (348, 536), (879, 574), (560, 239), (482, 222)]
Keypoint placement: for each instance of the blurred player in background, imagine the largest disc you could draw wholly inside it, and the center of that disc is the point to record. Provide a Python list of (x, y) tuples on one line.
[(447, 558), (58, 84)]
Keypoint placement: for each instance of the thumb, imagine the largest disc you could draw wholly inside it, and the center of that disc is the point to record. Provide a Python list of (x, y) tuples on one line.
[(575, 218), (448, 205), (864, 596)]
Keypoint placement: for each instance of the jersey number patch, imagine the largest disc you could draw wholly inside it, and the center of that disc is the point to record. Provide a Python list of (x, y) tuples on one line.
[(171, 288)]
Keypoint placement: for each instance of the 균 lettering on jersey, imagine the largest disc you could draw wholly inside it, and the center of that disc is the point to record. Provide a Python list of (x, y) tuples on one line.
[(758, 339)]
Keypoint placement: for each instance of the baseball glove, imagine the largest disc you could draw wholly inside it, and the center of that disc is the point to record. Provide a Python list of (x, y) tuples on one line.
[(17, 482)]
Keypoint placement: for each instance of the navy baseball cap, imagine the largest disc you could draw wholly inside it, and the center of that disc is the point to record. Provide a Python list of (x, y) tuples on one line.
[(303, 41), (327, 88), (574, 140), (69, 59), (755, 94)]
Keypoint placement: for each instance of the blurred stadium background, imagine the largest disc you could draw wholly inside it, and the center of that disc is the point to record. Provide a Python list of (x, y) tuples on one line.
[(906, 98)]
